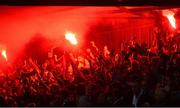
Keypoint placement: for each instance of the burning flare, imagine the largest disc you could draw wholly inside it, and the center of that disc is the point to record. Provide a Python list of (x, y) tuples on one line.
[(3, 53), (170, 16), (71, 37)]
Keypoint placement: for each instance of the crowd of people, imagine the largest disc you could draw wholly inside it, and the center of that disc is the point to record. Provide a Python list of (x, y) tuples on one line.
[(135, 75)]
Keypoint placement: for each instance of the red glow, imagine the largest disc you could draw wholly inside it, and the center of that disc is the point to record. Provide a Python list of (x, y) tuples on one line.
[(71, 37), (170, 17), (3, 53)]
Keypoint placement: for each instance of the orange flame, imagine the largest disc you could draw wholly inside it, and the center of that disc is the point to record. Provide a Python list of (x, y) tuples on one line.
[(71, 37), (3, 53), (170, 16)]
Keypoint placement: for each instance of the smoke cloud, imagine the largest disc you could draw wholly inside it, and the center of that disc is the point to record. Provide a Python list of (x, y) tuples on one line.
[(20, 24)]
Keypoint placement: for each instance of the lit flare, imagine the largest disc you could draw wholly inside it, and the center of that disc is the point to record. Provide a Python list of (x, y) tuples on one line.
[(3, 53), (170, 16), (71, 37)]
